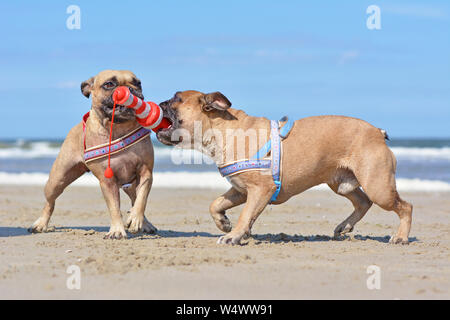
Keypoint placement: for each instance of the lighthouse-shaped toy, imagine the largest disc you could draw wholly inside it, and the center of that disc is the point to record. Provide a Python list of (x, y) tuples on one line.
[(148, 114)]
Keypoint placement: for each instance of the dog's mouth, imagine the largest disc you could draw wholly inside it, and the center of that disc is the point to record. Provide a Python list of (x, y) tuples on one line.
[(122, 114), (164, 135)]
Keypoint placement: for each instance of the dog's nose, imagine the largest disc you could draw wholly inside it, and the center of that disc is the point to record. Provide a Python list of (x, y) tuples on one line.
[(134, 92)]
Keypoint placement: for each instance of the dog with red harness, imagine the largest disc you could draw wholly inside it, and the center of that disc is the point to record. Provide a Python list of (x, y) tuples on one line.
[(95, 145)]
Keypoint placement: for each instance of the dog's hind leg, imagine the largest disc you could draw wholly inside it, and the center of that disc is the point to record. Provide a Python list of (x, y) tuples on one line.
[(65, 170), (404, 212), (361, 203), (136, 221), (218, 207), (377, 178), (131, 192)]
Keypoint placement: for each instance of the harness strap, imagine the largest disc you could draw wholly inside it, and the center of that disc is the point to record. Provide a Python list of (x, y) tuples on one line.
[(85, 117), (276, 158), (257, 162), (276, 137), (245, 165), (286, 129), (284, 132), (101, 151)]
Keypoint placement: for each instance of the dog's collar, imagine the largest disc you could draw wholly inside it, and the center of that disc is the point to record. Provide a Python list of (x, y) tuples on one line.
[(101, 151)]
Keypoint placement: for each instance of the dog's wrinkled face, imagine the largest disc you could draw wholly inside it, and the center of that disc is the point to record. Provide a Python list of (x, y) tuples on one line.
[(187, 108), (101, 88)]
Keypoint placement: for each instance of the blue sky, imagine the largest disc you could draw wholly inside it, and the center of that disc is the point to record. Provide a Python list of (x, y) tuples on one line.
[(270, 58)]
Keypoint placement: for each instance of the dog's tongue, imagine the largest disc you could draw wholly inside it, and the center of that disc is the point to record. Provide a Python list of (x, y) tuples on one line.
[(109, 172)]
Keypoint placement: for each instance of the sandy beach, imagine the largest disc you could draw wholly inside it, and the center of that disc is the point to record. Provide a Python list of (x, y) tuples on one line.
[(291, 255)]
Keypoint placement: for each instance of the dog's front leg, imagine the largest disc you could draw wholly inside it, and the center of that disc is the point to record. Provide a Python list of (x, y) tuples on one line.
[(136, 221), (228, 200), (111, 194), (257, 199)]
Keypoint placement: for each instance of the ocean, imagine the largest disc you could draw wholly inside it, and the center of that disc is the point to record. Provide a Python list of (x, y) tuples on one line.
[(422, 165)]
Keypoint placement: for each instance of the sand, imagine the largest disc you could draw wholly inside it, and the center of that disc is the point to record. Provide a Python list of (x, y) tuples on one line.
[(291, 256)]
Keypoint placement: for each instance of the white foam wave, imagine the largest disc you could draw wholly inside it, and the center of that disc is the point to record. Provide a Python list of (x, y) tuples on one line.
[(422, 153), (39, 149), (43, 149), (210, 180)]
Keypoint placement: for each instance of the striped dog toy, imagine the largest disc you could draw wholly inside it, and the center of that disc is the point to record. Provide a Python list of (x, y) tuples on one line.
[(148, 114)]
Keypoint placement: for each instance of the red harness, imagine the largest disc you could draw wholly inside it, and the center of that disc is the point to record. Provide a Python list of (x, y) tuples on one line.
[(85, 117)]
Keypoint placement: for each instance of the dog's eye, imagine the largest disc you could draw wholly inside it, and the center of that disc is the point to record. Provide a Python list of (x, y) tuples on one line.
[(109, 85)]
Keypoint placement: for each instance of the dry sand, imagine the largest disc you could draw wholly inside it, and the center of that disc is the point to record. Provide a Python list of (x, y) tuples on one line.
[(291, 256)]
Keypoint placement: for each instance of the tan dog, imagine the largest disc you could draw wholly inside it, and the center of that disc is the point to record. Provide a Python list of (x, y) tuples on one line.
[(133, 165), (346, 153)]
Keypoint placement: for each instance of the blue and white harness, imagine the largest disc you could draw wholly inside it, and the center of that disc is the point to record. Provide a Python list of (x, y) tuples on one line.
[(258, 161)]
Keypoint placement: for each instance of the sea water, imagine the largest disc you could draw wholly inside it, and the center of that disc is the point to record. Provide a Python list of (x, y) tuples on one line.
[(422, 165)]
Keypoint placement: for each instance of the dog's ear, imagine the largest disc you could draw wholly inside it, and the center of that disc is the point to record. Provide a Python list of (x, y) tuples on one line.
[(215, 101), (86, 87)]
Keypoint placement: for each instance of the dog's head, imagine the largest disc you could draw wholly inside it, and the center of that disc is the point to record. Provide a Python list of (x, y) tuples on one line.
[(101, 88), (187, 108)]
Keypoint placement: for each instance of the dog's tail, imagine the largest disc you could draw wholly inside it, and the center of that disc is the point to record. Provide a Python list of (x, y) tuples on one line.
[(384, 133)]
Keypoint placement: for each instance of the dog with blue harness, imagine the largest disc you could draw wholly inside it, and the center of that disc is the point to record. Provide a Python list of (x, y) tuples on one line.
[(348, 154)]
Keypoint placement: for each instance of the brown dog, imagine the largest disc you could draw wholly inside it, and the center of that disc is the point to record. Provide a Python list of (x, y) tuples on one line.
[(132, 166), (346, 153)]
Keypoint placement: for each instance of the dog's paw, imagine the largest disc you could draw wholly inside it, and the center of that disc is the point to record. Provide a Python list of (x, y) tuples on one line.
[(116, 232), (398, 240), (342, 229), (40, 226), (223, 223), (148, 227), (136, 224), (231, 238)]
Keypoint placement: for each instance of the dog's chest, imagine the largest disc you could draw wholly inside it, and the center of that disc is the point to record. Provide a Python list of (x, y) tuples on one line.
[(125, 168), (237, 183), (127, 164)]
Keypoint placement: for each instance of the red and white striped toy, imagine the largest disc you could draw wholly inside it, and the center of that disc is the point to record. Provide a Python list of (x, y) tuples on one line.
[(148, 114)]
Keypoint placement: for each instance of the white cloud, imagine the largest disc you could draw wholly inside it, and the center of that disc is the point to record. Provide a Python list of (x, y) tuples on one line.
[(67, 84), (416, 11), (348, 56)]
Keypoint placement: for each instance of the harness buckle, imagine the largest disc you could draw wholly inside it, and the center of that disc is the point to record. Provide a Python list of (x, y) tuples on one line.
[(286, 129), (277, 191), (278, 184)]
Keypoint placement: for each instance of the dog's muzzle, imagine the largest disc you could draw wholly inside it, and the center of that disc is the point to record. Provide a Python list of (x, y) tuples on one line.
[(165, 135), (122, 113)]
